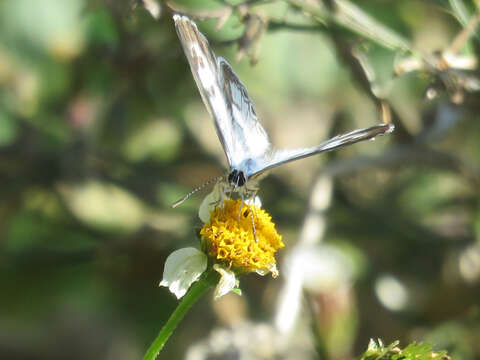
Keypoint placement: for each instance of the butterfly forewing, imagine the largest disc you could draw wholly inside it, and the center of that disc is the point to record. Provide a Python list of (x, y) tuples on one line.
[(226, 98)]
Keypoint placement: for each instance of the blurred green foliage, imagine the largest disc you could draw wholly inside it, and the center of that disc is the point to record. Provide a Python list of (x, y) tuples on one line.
[(102, 128)]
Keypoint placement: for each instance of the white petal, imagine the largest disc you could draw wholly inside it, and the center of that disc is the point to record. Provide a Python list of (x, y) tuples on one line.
[(254, 201), (209, 203), (272, 269), (182, 268), (227, 282), (206, 208)]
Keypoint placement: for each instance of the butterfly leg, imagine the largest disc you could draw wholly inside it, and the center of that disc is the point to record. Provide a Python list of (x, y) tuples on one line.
[(218, 195), (232, 190), (254, 211), (222, 194), (253, 215), (250, 194)]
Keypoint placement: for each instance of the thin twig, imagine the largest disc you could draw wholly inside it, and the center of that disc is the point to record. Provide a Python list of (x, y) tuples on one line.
[(351, 17)]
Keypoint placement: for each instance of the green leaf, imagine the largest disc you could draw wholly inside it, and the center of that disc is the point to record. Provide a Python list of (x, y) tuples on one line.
[(415, 351), (419, 351)]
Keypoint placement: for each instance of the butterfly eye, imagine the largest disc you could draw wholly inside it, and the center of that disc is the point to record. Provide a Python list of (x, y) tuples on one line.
[(237, 178), (232, 176), (241, 179)]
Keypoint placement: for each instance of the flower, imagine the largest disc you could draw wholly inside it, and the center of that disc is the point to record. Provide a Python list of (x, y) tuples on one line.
[(237, 236), (244, 240)]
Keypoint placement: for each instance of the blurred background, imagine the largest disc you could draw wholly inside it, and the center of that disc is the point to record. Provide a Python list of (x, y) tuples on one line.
[(102, 128)]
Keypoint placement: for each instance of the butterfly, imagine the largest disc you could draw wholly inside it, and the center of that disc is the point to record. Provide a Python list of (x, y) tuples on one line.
[(245, 142)]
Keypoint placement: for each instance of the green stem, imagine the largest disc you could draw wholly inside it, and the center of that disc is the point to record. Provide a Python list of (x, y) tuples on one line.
[(192, 295)]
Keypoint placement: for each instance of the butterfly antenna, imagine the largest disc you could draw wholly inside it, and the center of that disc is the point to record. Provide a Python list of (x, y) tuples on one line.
[(208, 182)]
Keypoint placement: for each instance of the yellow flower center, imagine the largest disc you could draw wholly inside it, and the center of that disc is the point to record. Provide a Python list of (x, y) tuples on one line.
[(230, 239)]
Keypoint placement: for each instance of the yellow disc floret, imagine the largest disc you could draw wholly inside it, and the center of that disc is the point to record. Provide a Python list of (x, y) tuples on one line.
[(240, 243)]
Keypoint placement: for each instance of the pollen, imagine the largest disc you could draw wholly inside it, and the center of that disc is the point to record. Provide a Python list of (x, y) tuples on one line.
[(232, 238)]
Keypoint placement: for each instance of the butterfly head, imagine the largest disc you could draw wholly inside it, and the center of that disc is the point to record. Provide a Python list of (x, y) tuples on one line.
[(237, 178)]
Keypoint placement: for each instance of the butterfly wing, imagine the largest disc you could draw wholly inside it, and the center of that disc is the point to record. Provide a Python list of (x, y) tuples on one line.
[(226, 98), (279, 157)]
